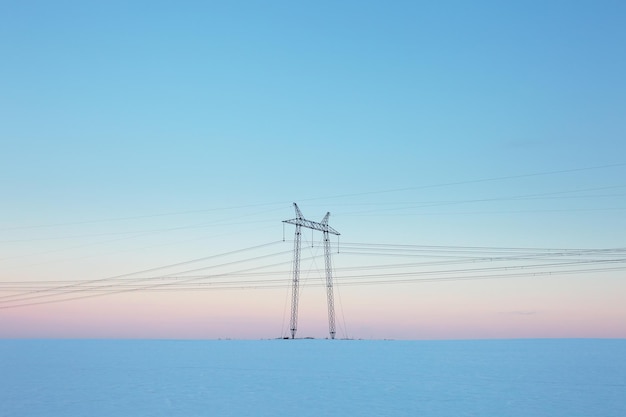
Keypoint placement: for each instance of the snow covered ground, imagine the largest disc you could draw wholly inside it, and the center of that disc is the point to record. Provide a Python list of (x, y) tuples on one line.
[(312, 378)]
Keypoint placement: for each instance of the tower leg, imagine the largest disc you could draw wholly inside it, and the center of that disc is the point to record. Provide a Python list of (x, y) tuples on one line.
[(296, 282), (329, 286)]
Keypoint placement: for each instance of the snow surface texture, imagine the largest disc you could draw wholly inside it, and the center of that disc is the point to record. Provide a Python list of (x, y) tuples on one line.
[(312, 378)]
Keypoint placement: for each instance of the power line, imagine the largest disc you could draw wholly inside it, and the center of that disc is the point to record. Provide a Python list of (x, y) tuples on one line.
[(475, 181), (111, 290), (284, 283), (137, 232), (483, 200), (205, 258), (182, 281), (586, 261), (281, 204), (146, 216)]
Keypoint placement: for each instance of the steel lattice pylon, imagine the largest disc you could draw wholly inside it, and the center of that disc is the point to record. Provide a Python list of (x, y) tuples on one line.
[(323, 226)]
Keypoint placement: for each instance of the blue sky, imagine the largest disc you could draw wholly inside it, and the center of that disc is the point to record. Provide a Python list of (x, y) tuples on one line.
[(117, 110)]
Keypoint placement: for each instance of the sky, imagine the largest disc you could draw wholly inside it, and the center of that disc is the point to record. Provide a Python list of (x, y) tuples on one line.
[(136, 136)]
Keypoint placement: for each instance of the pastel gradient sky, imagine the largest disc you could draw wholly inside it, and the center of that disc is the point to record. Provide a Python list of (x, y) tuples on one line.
[(139, 135)]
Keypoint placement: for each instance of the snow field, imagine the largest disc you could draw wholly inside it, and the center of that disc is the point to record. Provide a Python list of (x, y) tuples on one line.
[(312, 378)]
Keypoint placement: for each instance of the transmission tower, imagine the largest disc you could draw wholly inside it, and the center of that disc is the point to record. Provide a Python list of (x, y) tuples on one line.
[(323, 226)]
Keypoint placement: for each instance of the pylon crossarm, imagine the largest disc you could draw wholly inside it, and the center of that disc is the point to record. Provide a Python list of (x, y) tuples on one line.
[(312, 225), (301, 221)]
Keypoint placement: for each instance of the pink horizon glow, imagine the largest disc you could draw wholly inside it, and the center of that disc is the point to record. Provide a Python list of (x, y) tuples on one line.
[(127, 319)]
